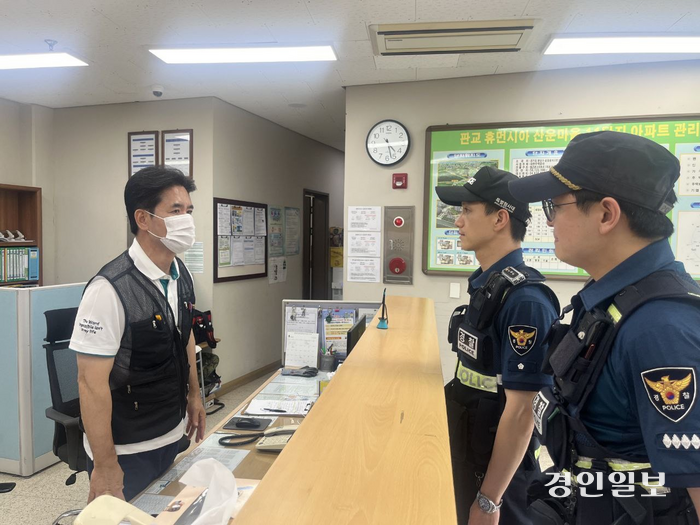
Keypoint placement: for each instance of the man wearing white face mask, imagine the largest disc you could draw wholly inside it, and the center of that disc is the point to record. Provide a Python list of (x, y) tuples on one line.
[(136, 358)]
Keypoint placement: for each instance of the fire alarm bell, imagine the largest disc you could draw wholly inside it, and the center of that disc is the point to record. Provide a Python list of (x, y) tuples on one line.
[(399, 181)]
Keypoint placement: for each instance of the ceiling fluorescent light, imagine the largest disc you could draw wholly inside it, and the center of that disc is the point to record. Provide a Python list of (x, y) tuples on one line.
[(593, 45), (233, 55), (39, 60)]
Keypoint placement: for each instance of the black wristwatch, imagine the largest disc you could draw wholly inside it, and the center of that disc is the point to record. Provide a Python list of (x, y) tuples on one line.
[(485, 504)]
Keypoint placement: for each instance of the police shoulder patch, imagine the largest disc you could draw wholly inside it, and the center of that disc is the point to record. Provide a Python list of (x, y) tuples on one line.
[(522, 338), (671, 390)]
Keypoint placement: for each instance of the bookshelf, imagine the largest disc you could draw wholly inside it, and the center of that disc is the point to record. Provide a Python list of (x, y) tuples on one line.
[(20, 209)]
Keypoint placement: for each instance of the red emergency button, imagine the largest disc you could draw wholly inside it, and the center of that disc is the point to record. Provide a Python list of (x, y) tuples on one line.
[(398, 222), (397, 265)]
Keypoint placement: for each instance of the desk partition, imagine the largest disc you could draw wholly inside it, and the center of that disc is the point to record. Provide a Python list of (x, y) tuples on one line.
[(360, 308), (26, 435)]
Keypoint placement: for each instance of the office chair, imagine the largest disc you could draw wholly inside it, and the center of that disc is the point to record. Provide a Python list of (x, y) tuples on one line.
[(63, 381)]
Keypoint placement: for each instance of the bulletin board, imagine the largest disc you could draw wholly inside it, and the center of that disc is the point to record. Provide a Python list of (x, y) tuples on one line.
[(455, 153), (240, 240)]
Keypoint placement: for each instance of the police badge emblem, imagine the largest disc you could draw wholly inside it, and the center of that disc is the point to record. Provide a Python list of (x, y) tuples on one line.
[(671, 390), (522, 338)]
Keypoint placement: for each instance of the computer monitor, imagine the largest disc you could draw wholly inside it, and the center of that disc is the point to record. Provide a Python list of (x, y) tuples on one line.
[(356, 332)]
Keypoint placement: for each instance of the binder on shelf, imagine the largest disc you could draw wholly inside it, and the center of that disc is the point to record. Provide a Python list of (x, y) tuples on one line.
[(19, 264), (33, 264)]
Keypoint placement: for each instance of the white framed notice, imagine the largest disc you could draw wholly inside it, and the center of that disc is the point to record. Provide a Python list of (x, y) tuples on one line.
[(143, 150), (178, 149)]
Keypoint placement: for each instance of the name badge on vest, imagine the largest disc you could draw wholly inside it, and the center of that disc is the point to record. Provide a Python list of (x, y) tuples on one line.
[(671, 390), (467, 343), (539, 406)]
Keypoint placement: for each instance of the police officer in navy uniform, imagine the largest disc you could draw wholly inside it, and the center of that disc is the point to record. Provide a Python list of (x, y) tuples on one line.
[(498, 338), (626, 369)]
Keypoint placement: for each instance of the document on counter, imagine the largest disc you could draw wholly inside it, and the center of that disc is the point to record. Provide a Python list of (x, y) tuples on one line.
[(301, 349), (303, 389), (152, 504), (297, 380), (279, 408), (210, 448)]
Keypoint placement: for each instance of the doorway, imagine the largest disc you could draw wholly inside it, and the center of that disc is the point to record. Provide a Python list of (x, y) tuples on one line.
[(316, 254)]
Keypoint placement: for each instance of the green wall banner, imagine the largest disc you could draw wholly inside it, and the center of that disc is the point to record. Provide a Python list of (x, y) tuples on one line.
[(455, 153)]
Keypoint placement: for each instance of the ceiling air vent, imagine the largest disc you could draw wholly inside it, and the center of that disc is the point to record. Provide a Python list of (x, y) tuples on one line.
[(490, 36)]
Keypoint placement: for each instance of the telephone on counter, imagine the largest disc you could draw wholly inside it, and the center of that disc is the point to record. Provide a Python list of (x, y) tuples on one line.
[(274, 439)]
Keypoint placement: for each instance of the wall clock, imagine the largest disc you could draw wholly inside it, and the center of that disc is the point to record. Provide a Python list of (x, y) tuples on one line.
[(388, 142)]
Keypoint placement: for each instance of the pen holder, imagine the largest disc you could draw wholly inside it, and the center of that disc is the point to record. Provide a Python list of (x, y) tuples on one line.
[(327, 361)]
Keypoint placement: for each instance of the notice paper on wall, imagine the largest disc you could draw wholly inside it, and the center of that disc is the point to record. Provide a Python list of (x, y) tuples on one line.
[(277, 272), (301, 349), (364, 218), (363, 269), (223, 220), (194, 258), (260, 222), (292, 231), (364, 244)]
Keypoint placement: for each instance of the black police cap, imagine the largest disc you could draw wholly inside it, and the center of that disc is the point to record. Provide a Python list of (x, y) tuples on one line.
[(487, 185), (624, 166)]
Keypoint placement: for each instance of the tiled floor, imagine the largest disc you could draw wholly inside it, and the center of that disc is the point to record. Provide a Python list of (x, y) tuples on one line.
[(41, 498)]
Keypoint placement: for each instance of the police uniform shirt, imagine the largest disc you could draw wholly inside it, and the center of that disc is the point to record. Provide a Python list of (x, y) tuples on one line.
[(100, 323), (644, 403), (522, 324)]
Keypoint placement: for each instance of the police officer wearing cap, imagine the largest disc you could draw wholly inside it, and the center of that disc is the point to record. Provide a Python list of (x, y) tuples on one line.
[(626, 369), (498, 338)]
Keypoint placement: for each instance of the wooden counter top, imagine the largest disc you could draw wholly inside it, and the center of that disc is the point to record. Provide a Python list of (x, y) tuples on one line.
[(374, 448)]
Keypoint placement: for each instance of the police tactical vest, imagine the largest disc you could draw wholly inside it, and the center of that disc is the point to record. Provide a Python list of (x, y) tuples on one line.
[(576, 357), (472, 330), (150, 374)]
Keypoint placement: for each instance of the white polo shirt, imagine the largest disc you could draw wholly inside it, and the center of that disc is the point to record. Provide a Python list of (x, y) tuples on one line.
[(99, 327)]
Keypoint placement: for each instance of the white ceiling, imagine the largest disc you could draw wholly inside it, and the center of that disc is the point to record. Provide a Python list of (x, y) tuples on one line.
[(113, 36)]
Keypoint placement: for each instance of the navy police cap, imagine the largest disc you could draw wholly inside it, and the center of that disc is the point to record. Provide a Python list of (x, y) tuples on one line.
[(487, 185), (620, 165)]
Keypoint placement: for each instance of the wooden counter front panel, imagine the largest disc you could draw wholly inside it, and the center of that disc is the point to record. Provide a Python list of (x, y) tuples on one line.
[(375, 447)]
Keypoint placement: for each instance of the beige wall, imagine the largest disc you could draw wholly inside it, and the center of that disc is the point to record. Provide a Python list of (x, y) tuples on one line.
[(10, 145), (645, 89), (256, 160), (91, 169), (26, 141), (237, 155)]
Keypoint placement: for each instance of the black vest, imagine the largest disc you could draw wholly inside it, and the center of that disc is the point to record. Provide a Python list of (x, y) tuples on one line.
[(472, 330), (150, 374), (576, 357)]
